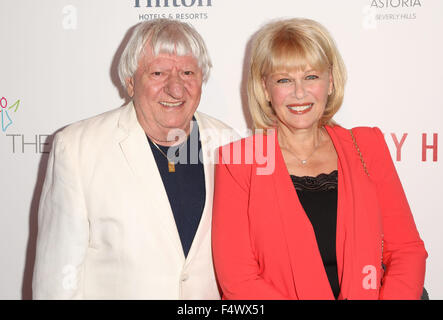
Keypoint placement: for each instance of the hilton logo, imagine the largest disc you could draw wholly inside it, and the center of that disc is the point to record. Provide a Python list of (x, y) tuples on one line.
[(173, 3)]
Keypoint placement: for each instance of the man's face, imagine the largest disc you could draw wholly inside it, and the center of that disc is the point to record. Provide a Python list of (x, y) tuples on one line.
[(166, 91)]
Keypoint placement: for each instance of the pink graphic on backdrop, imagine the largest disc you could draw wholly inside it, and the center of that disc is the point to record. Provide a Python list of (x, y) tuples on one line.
[(5, 118)]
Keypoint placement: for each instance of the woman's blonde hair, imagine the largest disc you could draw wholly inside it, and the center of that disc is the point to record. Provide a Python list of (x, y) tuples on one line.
[(287, 45)]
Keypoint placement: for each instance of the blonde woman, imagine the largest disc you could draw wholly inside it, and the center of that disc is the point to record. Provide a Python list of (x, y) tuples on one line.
[(331, 221)]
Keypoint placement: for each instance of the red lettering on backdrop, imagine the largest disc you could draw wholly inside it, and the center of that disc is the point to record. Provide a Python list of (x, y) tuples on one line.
[(433, 146), (399, 145)]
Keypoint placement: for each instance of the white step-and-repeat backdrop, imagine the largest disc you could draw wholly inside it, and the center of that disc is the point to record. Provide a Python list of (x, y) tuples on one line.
[(58, 65)]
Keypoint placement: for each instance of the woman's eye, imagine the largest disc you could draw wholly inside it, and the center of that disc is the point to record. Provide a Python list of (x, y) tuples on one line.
[(312, 77), (283, 80)]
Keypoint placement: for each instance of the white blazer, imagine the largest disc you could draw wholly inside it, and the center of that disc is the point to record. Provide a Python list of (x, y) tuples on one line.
[(106, 229)]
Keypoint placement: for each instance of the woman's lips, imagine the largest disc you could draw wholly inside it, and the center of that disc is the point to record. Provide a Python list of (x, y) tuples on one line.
[(300, 109)]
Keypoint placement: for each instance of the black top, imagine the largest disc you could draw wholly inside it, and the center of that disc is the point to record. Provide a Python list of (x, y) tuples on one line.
[(186, 186), (318, 196)]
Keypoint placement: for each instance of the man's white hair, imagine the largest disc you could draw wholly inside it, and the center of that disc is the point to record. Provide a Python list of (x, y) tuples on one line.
[(164, 36)]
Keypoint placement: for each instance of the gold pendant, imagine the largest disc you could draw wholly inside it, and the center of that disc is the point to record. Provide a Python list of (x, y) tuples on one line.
[(171, 166)]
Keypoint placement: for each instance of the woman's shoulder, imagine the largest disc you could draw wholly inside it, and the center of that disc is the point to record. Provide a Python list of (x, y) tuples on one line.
[(362, 134), (369, 144), (253, 141), (258, 150)]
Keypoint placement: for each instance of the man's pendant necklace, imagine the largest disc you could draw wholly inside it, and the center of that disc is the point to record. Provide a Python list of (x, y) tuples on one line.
[(171, 164)]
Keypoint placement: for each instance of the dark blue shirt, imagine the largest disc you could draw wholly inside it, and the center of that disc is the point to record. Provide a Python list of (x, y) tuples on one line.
[(186, 186)]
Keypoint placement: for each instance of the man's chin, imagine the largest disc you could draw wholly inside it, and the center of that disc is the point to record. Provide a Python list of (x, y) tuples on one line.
[(178, 129)]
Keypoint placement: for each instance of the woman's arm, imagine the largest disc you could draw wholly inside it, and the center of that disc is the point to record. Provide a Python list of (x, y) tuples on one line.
[(235, 261), (404, 253)]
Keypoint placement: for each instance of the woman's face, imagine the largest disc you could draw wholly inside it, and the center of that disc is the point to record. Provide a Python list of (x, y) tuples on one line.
[(298, 97)]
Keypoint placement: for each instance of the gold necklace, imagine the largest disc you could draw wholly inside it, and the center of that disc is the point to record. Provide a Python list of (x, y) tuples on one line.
[(171, 164), (304, 161)]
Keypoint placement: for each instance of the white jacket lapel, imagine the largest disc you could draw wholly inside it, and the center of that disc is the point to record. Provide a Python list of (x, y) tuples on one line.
[(204, 226), (138, 154)]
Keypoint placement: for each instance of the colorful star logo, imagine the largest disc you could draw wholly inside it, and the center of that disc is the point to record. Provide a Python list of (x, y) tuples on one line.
[(5, 118)]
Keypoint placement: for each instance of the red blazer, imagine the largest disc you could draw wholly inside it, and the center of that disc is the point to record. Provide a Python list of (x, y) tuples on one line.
[(264, 245)]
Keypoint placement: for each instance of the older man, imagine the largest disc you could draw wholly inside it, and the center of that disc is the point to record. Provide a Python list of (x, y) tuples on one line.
[(125, 211)]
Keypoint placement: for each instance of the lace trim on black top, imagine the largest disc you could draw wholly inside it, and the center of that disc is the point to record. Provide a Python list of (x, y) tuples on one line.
[(322, 182)]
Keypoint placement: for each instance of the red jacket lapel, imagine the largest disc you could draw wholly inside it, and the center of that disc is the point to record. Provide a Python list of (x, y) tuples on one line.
[(311, 281)]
